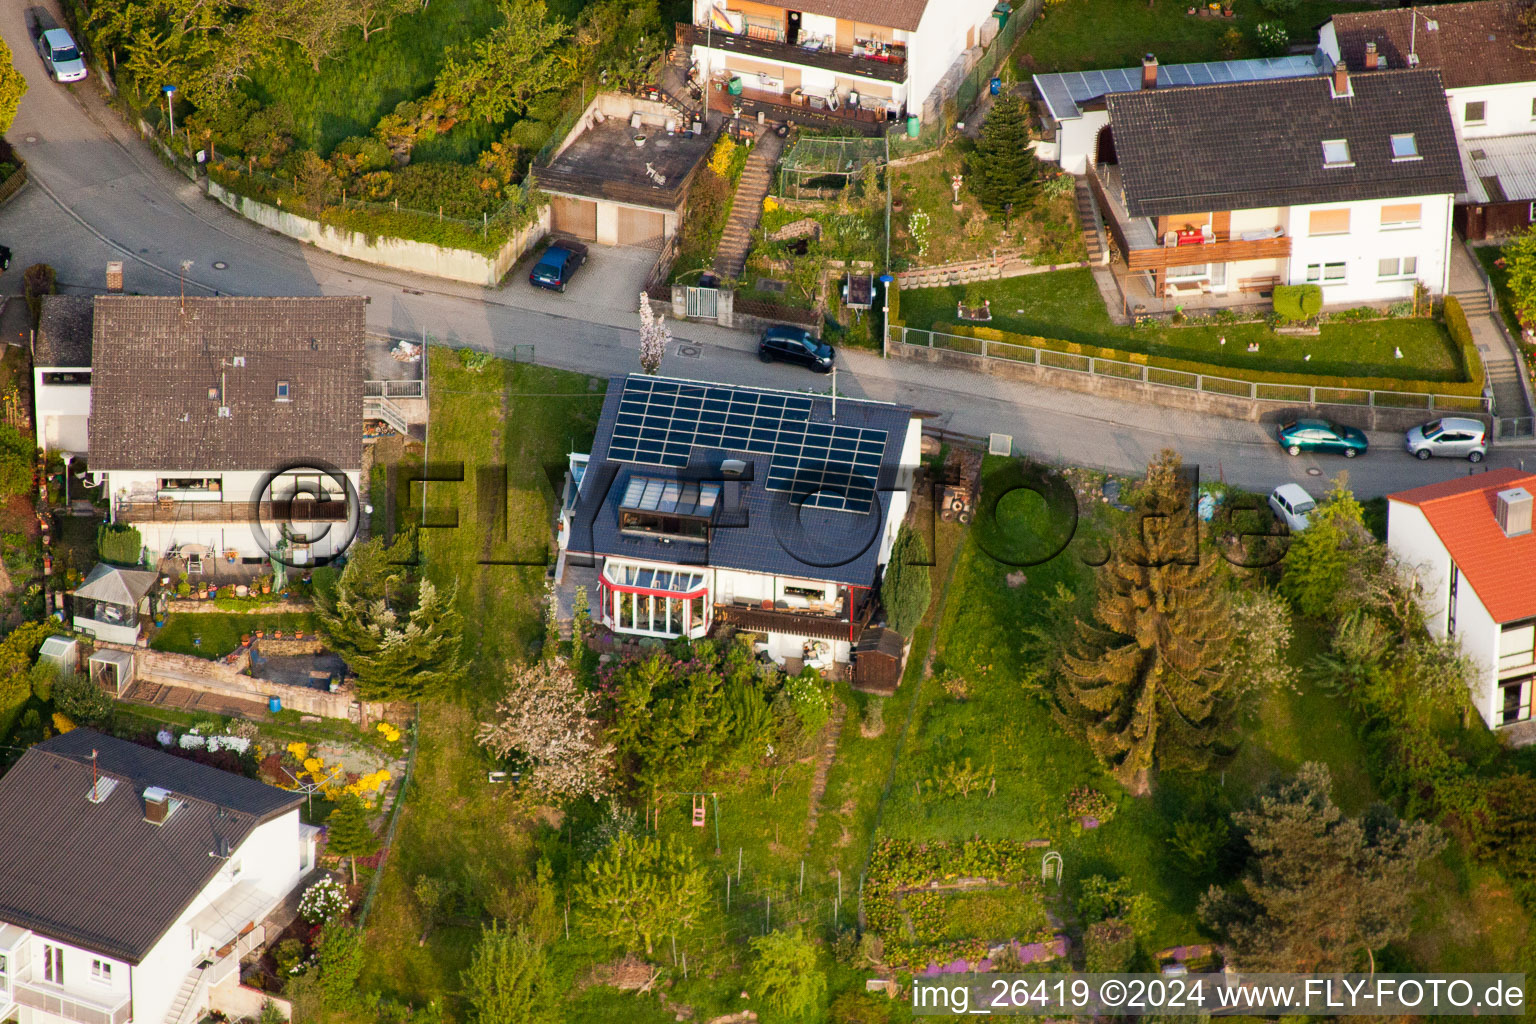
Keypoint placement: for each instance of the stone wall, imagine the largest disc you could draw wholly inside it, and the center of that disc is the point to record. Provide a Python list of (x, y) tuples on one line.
[(238, 1001), (182, 670), (402, 254), (1362, 417)]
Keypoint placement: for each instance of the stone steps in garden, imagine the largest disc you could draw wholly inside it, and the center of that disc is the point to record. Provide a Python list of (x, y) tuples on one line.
[(747, 207), (1093, 227)]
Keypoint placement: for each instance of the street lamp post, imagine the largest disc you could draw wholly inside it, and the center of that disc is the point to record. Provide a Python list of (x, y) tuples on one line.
[(885, 315), (170, 105)]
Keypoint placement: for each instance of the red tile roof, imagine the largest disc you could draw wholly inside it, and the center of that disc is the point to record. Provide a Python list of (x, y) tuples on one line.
[(1501, 569)]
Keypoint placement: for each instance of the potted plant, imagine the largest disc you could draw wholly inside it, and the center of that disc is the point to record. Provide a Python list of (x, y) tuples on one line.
[(183, 589), (265, 583), (260, 633), (1227, 11), (298, 634), (245, 639)]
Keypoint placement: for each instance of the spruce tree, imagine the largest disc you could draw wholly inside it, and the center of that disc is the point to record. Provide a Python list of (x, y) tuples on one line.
[(348, 834), (1004, 173), (1141, 682)]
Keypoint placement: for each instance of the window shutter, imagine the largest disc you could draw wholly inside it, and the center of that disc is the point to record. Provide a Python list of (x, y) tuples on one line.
[(1328, 222), (1399, 214)]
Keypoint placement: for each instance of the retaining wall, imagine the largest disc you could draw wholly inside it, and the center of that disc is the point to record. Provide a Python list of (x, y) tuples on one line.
[(402, 254), (170, 669), (183, 605), (1362, 417)]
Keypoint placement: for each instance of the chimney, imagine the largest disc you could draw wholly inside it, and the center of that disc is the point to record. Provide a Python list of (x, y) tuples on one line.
[(1149, 71), (1340, 79), (1370, 56), (157, 805), (114, 275), (1513, 509)]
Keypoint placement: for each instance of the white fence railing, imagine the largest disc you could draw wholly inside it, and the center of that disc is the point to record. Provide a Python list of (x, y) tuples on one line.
[(395, 388), (377, 407), (1182, 380)]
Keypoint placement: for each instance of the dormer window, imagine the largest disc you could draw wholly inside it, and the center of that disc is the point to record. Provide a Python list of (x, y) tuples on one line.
[(282, 391), (1336, 153), (1405, 147)]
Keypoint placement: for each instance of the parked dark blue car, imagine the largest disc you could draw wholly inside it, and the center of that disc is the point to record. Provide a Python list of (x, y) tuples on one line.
[(558, 265)]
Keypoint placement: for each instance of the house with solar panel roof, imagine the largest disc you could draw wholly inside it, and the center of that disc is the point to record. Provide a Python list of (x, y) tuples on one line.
[(772, 512)]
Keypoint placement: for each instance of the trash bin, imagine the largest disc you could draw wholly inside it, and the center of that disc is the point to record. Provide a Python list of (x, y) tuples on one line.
[(1001, 12), (274, 704), (912, 128), (997, 86), (733, 87)]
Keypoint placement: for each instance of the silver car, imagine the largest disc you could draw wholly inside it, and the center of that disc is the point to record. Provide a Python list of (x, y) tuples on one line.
[(1291, 504), (60, 55), (1453, 435)]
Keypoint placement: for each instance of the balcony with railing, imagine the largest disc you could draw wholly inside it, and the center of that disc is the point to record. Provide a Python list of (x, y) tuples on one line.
[(883, 62), (1142, 249), (818, 620), (69, 1005)]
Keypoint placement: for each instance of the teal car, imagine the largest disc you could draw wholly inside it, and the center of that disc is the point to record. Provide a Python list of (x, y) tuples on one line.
[(1300, 436)]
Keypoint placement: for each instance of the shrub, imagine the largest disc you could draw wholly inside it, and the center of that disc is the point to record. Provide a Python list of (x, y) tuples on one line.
[(325, 901), (1271, 37), (874, 718), (37, 281), (1298, 301), (1461, 333), (118, 544), (81, 699), (722, 156), (17, 453), (453, 188), (1110, 946), (907, 585), (288, 955)]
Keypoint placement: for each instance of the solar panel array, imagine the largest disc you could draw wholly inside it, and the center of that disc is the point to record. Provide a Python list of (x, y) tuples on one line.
[(1064, 91), (823, 465)]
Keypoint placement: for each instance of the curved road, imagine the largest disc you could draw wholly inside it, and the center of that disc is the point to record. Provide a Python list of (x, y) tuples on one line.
[(97, 193)]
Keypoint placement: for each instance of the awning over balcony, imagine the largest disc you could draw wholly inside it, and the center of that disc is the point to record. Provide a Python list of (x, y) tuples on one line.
[(235, 912)]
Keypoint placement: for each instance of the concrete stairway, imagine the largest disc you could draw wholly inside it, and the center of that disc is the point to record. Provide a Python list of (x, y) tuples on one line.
[(747, 207), (182, 1009), (1503, 372), (1093, 226)]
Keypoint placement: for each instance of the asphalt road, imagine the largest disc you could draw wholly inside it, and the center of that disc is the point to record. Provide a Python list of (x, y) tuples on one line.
[(98, 193)]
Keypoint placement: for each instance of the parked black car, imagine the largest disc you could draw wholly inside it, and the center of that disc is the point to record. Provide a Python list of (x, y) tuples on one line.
[(795, 345)]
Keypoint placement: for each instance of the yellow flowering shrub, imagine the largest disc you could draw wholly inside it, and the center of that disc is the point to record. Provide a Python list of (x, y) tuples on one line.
[(770, 204), (61, 722), (389, 732), (299, 750), (721, 156)]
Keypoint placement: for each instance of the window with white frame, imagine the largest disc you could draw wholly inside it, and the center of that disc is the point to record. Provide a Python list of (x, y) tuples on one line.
[(1196, 272), (5, 974), (1395, 266), (101, 971), (1327, 273), (1396, 216), (1336, 153)]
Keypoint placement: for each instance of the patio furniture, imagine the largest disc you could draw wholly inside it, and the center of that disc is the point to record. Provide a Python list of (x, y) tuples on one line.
[(1206, 234)]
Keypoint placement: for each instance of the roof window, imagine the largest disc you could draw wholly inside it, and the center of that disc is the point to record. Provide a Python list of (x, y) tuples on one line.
[(1405, 147), (1336, 153)]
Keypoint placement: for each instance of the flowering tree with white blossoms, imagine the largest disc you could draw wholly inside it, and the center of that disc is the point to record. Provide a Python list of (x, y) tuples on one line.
[(547, 719), (655, 336)]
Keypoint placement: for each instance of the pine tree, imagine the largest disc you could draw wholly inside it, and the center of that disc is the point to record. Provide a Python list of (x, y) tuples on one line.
[(1004, 172), (348, 834), (1142, 682)]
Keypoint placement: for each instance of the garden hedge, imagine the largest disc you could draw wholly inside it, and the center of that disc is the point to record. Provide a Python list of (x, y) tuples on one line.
[(1473, 387)]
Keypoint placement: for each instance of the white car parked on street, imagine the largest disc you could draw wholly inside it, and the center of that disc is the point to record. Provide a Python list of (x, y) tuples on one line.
[(1291, 504)]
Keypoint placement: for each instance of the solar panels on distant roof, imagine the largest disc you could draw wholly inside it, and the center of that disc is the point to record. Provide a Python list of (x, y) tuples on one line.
[(822, 465), (1064, 92)]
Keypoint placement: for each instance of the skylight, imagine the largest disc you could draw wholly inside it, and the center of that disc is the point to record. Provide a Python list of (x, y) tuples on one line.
[(1405, 147), (1336, 153)]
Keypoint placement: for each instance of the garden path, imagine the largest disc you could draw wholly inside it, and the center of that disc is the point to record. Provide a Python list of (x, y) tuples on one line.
[(1503, 371), (747, 208), (824, 761)]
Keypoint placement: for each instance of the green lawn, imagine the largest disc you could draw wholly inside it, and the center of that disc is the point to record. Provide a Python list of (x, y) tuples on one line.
[(1077, 35), (1066, 305), (365, 81), (455, 826), (215, 634)]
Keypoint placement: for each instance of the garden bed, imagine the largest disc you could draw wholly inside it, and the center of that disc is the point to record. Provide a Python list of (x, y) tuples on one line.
[(219, 633)]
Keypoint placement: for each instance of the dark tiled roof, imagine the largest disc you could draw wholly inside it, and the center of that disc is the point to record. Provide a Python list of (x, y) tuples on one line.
[(1258, 144), (756, 529), (98, 875), (63, 332), (1471, 44), (154, 366)]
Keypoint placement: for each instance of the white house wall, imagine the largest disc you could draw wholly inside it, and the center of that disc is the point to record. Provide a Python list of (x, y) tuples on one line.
[(1416, 544), (63, 413), (939, 41), (1507, 109), (1077, 139), (77, 978), (1367, 243)]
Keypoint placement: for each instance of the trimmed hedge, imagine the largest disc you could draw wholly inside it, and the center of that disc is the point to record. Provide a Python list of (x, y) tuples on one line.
[(1461, 333), (1473, 387), (1298, 301)]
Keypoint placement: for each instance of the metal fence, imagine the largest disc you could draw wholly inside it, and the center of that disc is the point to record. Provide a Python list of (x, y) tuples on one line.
[(818, 166), (1185, 380), (980, 76), (1514, 428)]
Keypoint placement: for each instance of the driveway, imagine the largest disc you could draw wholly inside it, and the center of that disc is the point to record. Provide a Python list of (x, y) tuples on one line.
[(611, 280)]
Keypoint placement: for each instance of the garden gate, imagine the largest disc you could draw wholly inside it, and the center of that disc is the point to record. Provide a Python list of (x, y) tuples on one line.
[(703, 302)]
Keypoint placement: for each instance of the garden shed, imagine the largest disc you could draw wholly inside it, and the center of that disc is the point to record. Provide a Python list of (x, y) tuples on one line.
[(111, 670), (108, 604), (62, 652)]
